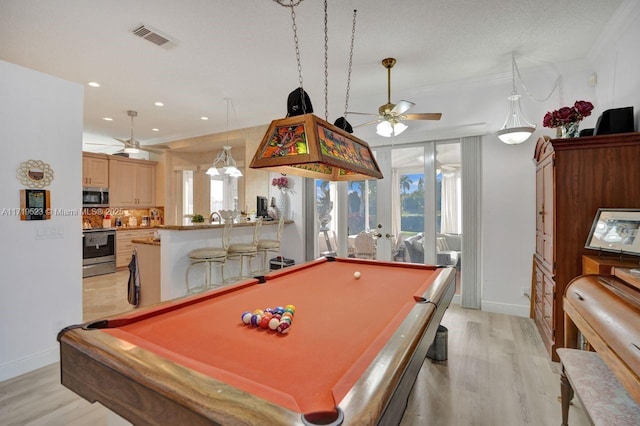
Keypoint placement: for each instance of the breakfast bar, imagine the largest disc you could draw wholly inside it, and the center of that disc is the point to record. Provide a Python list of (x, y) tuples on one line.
[(170, 254)]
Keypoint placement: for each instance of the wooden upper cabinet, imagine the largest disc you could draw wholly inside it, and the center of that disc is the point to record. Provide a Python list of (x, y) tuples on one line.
[(132, 183), (95, 170), (574, 178)]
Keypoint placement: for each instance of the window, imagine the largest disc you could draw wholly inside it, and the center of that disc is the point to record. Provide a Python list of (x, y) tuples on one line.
[(187, 196)]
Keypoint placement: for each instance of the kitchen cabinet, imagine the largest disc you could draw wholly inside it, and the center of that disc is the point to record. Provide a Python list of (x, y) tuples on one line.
[(95, 170), (574, 178), (132, 183), (124, 244)]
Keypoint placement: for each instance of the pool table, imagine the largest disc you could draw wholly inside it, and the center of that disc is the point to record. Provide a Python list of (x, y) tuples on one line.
[(351, 355)]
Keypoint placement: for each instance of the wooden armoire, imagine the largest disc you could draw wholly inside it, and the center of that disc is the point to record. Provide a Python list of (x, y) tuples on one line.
[(574, 178)]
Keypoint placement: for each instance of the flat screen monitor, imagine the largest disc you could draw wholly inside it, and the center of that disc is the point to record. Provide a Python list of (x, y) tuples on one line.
[(261, 206)]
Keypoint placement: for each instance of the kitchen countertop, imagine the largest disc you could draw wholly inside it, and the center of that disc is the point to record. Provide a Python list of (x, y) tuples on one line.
[(133, 228), (196, 226), (147, 241)]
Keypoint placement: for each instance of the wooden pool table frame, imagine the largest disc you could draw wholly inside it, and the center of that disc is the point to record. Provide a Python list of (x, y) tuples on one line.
[(127, 379)]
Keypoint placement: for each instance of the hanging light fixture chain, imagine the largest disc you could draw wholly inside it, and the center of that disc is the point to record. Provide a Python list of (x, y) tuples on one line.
[(294, 27), (326, 64), (353, 36)]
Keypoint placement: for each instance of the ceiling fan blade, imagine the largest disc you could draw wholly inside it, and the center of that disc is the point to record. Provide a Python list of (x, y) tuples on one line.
[(423, 116), (100, 144), (362, 113), (155, 151), (368, 123), (401, 107)]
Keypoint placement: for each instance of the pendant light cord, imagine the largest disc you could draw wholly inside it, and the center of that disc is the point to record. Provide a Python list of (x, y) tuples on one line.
[(516, 71)]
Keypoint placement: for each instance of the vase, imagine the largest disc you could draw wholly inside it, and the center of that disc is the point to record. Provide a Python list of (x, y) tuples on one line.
[(282, 204), (570, 130)]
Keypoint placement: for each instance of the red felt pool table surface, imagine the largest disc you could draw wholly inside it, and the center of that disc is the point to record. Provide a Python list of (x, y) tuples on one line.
[(340, 325)]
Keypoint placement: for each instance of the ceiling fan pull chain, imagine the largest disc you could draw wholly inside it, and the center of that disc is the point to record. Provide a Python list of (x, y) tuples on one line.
[(326, 64), (353, 35)]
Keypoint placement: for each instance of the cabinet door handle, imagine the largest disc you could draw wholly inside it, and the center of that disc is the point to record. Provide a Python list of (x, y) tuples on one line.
[(578, 295)]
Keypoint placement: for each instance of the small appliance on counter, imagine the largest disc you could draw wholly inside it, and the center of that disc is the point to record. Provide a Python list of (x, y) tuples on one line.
[(146, 221), (155, 217)]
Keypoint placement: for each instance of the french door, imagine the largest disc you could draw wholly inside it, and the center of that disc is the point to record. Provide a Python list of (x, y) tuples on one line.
[(415, 213)]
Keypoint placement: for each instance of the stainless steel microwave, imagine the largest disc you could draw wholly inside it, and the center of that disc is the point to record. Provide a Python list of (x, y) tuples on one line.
[(95, 197)]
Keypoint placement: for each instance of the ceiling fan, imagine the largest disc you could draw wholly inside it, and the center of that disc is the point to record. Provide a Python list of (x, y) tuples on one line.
[(390, 116), (132, 144)]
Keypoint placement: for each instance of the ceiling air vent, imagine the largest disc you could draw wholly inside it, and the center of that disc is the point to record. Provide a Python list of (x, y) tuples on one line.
[(154, 36)]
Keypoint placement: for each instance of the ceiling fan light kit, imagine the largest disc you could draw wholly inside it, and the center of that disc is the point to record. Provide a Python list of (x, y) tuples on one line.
[(388, 129)]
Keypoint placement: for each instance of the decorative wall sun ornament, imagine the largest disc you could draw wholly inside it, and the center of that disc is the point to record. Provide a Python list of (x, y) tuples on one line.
[(34, 174)]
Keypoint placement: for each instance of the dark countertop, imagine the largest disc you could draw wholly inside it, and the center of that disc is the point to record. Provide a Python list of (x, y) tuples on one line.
[(205, 225), (147, 241), (133, 228)]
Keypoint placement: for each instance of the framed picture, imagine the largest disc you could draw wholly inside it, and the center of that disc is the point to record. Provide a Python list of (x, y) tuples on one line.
[(615, 230)]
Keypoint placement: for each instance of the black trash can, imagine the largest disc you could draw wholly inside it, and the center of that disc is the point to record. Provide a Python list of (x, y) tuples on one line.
[(280, 262), (438, 349)]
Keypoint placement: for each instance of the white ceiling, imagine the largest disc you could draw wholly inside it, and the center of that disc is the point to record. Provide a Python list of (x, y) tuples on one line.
[(244, 50)]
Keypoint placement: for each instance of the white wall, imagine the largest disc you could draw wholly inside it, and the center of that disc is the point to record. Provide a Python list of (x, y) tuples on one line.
[(40, 278), (616, 61)]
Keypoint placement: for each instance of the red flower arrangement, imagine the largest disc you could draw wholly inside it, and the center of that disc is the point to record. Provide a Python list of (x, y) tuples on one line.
[(565, 115), (281, 182)]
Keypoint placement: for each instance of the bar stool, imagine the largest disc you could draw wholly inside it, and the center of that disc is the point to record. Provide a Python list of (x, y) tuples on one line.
[(212, 257), (242, 251), (268, 245)]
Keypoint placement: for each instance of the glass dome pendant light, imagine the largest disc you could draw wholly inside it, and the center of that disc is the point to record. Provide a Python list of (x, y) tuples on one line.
[(516, 128)]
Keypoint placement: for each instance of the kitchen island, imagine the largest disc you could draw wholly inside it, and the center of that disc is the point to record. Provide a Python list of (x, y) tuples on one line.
[(163, 264)]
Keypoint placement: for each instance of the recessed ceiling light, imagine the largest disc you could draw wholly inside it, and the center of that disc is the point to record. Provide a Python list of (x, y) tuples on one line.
[(204, 118), (107, 118), (94, 84), (155, 130), (159, 104)]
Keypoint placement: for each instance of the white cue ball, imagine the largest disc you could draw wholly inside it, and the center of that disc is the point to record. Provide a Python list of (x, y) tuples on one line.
[(356, 275)]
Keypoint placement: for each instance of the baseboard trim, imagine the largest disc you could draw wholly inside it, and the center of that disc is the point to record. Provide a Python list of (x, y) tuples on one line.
[(506, 308), (32, 362)]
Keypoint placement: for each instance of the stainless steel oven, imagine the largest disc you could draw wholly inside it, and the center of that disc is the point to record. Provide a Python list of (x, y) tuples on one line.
[(98, 251)]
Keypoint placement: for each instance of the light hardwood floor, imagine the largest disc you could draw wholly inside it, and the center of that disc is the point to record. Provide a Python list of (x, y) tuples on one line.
[(497, 373)]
